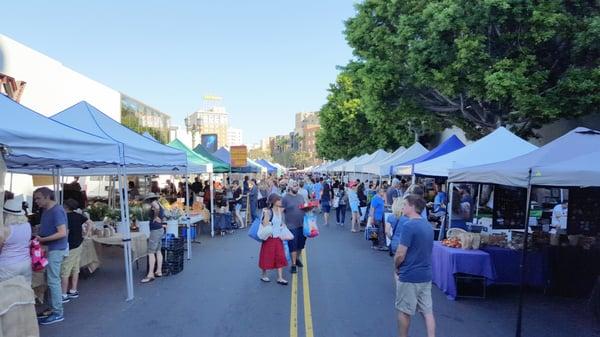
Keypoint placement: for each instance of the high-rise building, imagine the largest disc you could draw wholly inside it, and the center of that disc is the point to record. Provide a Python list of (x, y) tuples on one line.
[(139, 116), (309, 140), (304, 119), (235, 137), (211, 119)]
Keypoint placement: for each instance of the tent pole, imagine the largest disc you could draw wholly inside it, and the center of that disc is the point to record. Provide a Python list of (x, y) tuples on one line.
[(478, 199), (212, 206), (11, 182), (187, 216), (124, 206), (61, 193), (524, 259)]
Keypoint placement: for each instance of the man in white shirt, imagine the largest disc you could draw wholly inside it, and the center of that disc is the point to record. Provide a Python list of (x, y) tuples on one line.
[(303, 192), (559, 216)]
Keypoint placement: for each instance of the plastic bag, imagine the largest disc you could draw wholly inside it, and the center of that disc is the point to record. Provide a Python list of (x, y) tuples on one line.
[(286, 249), (310, 228), (286, 234), (265, 231), (38, 256)]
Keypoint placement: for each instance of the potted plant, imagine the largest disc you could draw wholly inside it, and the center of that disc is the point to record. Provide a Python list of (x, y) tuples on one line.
[(97, 213), (173, 215), (141, 214)]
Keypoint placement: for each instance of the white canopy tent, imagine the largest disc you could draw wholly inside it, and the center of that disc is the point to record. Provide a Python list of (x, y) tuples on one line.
[(383, 168), (498, 145), (337, 165), (377, 156), (570, 160), (349, 165), (330, 165), (559, 153)]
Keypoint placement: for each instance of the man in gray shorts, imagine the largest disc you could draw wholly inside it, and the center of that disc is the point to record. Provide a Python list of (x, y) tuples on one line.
[(294, 219), (413, 267)]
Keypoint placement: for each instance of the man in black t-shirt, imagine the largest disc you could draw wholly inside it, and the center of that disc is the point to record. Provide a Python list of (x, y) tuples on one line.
[(70, 265)]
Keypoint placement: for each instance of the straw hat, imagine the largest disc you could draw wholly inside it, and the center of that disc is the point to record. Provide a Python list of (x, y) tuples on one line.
[(13, 207)]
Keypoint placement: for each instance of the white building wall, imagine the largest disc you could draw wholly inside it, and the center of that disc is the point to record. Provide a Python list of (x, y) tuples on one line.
[(51, 87)]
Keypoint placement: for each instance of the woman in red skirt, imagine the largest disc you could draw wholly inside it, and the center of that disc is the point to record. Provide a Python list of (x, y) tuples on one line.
[(272, 255)]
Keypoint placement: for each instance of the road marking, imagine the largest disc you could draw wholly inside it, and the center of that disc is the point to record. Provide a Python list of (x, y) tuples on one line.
[(308, 323), (294, 307)]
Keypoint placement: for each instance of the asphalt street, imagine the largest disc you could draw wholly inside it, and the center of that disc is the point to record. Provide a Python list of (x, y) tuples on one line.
[(345, 289)]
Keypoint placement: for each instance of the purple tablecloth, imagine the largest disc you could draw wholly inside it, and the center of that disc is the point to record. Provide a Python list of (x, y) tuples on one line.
[(507, 262), (448, 261)]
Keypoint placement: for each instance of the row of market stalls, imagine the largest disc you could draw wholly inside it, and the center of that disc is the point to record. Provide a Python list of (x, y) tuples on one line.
[(83, 141), (511, 168)]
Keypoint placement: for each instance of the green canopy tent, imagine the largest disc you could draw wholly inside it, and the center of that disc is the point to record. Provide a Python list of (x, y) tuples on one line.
[(195, 158), (219, 166)]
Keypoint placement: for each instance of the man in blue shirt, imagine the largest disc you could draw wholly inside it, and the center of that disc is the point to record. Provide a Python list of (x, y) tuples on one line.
[(413, 268), (376, 215), (53, 233)]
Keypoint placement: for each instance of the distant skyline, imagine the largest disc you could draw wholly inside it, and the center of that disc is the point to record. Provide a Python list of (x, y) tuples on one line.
[(268, 60)]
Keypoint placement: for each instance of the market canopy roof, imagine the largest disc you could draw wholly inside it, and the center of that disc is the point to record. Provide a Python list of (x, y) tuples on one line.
[(399, 156), (377, 156), (35, 142), (219, 166), (270, 168), (498, 145), (349, 165), (251, 167), (451, 144), (329, 167), (149, 136), (552, 164), (140, 154), (196, 163)]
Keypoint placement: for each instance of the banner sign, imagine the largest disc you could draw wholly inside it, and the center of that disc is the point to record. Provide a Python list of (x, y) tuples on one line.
[(239, 156)]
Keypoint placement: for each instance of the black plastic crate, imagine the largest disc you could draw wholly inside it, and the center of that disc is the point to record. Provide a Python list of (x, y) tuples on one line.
[(169, 268), (470, 286), (172, 243)]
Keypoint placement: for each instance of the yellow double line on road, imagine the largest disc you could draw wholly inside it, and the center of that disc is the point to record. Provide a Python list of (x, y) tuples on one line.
[(308, 324)]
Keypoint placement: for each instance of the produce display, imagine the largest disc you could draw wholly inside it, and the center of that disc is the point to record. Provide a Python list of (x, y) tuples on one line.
[(452, 243)]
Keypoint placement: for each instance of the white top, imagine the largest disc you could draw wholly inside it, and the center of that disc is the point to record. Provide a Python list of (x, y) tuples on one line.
[(304, 193), (559, 217), (278, 225)]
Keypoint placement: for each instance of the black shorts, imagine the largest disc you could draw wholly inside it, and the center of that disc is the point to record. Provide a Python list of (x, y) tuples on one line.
[(299, 240)]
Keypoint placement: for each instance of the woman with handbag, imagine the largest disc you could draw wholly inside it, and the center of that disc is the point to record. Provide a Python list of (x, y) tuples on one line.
[(354, 202), (342, 201), (15, 236), (272, 253)]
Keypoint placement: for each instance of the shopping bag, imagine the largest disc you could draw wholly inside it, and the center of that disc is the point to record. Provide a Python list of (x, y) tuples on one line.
[(336, 202), (38, 256), (286, 234), (286, 249), (265, 231), (309, 228), (371, 233), (253, 232)]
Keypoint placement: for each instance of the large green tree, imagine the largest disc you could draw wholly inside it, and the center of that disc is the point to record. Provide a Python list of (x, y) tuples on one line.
[(477, 63), (345, 130)]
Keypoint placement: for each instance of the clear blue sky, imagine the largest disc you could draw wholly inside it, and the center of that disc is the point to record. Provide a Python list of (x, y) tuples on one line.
[(268, 59)]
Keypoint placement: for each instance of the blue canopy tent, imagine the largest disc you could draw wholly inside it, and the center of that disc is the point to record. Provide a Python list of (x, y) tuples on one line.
[(270, 168), (138, 155), (37, 144), (407, 168), (251, 167), (149, 136)]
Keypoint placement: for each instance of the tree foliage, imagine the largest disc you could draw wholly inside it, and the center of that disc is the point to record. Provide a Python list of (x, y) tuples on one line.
[(478, 64), (130, 120)]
